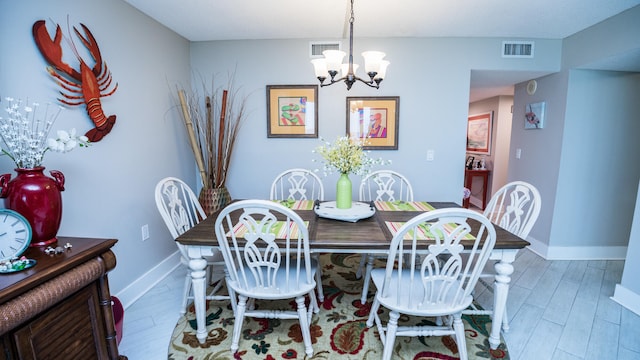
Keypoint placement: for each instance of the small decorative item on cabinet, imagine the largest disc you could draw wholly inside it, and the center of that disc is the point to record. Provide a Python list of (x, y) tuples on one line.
[(469, 164), (16, 235)]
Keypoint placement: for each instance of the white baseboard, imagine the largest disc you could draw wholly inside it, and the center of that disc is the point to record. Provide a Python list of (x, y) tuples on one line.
[(577, 252), (141, 285), (627, 298)]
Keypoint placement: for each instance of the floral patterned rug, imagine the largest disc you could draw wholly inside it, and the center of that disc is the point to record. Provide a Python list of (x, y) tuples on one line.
[(339, 330)]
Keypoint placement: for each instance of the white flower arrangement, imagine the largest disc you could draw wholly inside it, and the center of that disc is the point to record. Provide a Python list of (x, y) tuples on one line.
[(346, 156), (25, 134)]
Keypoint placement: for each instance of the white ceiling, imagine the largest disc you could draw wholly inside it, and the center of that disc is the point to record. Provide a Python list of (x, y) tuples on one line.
[(204, 20)]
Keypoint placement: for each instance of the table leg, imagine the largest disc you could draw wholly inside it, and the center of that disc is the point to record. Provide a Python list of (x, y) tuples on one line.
[(504, 269), (198, 286)]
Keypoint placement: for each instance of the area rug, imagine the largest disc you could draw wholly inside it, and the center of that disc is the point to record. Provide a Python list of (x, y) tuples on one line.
[(338, 331)]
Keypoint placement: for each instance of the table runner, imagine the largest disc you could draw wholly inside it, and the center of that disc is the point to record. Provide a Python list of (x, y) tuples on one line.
[(297, 204), (403, 206), (277, 229), (424, 233)]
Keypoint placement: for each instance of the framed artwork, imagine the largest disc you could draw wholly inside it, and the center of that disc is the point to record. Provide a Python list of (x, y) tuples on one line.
[(479, 133), (292, 111), (374, 119), (534, 116)]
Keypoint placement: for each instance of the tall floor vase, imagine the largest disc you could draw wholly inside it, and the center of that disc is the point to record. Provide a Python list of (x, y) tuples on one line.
[(36, 197), (343, 192), (214, 199)]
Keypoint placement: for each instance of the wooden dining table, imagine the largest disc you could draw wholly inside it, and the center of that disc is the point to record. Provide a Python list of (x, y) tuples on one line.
[(365, 236)]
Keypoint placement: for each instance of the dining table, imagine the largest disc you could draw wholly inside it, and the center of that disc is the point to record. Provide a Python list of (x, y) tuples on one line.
[(370, 235)]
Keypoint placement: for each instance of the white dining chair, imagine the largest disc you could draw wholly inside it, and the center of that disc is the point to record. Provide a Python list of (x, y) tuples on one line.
[(300, 184), (515, 207), (297, 184), (380, 185), (180, 210), (416, 284), (259, 267)]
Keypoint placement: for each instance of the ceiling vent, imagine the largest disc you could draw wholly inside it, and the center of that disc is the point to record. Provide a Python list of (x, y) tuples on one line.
[(316, 48), (517, 49)]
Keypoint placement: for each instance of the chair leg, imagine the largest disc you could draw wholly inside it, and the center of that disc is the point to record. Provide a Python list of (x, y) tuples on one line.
[(458, 327), (313, 304), (237, 325), (373, 312), (304, 326), (367, 279), (186, 292), (232, 295), (392, 327)]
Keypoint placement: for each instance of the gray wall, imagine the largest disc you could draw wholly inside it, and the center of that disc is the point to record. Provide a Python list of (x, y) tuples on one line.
[(539, 163), (109, 186), (431, 77), (599, 170)]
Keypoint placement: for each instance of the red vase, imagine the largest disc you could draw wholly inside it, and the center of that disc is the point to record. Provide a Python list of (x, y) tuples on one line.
[(36, 197)]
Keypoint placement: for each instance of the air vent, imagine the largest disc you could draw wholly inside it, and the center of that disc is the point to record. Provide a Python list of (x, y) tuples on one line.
[(517, 49), (316, 48)]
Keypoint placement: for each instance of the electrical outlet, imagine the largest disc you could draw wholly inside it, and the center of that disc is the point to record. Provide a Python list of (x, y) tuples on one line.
[(145, 232), (430, 155)]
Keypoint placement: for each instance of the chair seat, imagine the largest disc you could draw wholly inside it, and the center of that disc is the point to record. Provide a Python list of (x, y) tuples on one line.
[(414, 297), (254, 291)]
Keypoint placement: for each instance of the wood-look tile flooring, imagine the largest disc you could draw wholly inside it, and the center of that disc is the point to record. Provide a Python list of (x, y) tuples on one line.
[(558, 310)]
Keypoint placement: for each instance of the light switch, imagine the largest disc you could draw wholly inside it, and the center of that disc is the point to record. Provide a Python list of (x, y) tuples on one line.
[(430, 154), (518, 153)]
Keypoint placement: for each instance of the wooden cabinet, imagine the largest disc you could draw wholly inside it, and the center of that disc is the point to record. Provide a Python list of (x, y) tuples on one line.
[(61, 307), (468, 183)]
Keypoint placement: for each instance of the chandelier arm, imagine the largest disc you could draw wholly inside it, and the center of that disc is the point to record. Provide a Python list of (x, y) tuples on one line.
[(350, 78), (371, 83)]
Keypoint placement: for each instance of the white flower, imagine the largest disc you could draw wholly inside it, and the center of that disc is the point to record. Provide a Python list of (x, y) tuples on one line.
[(63, 136), (346, 156), (24, 133), (67, 141)]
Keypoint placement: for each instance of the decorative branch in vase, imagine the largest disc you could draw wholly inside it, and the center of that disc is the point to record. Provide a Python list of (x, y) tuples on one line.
[(213, 120)]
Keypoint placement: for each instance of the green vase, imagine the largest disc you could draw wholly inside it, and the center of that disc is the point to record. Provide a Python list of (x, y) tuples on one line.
[(343, 192)]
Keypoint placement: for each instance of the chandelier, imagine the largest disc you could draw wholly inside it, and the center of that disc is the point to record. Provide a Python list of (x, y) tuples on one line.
[(331, 65)]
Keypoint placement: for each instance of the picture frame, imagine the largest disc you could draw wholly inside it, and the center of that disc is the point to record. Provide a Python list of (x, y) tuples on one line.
[(534, 116), (292, 111), (479, 127), (380, 131)]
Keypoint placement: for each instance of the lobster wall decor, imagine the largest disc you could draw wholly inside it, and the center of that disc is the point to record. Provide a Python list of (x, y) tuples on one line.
[(84, 85)]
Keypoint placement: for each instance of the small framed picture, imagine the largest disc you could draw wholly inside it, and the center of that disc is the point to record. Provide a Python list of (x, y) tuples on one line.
[(534, 116), (292, 111), (374, 119), (479, 133)]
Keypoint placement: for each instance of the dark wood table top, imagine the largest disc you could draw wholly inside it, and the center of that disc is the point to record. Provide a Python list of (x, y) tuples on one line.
[(327, 234)]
